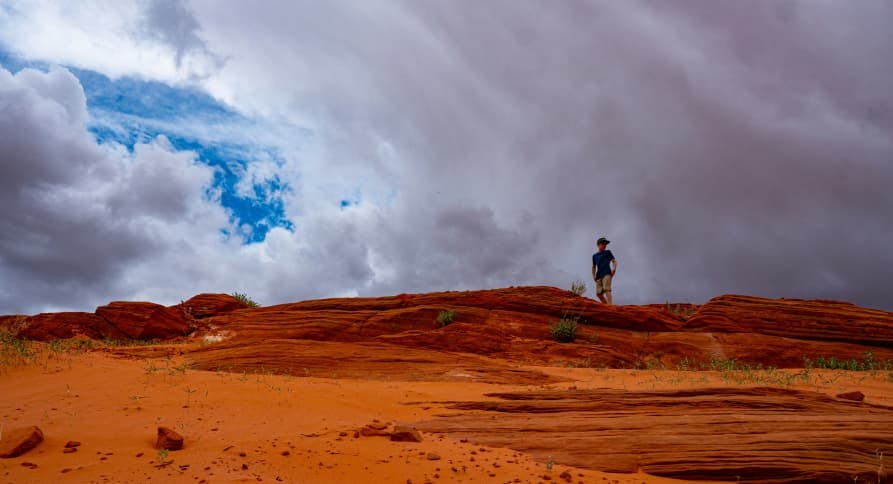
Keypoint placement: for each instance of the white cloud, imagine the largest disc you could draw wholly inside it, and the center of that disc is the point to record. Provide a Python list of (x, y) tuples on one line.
[(76, 214), (117, 38)]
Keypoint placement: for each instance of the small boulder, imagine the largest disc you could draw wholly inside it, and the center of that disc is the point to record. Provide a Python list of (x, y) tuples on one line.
[(403, 433), (377, 425), (372, 431), (433, 456), (71, 444), (168, 439), (856, 396), (567, 476), (16, 442)]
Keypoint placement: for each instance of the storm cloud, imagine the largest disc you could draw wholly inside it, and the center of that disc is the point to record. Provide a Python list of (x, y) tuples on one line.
[(722, 147)]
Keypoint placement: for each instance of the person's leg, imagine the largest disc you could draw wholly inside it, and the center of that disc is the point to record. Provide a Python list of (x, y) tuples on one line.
[(606, 285), (600, 290)]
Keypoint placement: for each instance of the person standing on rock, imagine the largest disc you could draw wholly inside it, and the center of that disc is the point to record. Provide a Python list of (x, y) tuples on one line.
[(604, 266)]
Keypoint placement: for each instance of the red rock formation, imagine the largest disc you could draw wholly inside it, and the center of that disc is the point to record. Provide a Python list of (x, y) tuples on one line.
[(369, 361), (13, 323), (534, 300), (16, 442), (168, 439), (144, 320), (514, 324), (795, 318), (728, 434), (207, 305), (403, 433), (47, 326)]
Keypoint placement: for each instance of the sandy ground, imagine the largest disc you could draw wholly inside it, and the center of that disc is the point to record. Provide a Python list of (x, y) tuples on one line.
[(249, 427)]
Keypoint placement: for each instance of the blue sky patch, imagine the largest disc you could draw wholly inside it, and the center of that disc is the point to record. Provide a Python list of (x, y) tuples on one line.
[(130, 111)]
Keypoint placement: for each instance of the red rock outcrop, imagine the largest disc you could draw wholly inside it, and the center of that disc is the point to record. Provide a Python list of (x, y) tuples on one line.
[(145, 320), (795, 318), (532, 300), (168, 439), (13, 323), (403, 433), (207, 305), (16, 442), (514, 324), (728, 434), (47, 326), (508, 324), (369, 361)]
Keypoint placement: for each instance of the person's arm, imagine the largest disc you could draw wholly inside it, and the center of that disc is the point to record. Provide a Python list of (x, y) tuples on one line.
[(593, 271), (614, 263)]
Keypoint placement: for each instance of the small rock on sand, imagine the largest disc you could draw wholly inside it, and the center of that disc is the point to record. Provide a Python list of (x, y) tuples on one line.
[(403, 433), (16, 442), (168, 439), (433, 456), (375, 429), (72, 444), (855, 396)]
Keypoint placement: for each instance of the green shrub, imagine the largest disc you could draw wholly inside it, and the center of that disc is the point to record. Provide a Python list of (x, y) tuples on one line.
[(565, 330), (445, 317), (578, 287), (245, 299), (868, 363)]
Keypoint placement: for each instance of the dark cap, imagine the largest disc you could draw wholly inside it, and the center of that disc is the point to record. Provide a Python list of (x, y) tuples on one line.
[(603, 240)]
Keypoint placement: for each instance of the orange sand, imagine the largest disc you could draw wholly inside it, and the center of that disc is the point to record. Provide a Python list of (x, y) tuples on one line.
[(237, 426)]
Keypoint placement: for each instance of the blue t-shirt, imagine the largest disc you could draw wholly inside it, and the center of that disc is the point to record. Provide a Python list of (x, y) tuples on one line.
[(602, 262)]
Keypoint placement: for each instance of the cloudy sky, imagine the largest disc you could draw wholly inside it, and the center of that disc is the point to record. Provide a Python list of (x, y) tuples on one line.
[(156, 149)]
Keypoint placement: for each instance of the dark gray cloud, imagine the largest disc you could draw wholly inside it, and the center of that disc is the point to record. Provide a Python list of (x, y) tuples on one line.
[(724, 147)]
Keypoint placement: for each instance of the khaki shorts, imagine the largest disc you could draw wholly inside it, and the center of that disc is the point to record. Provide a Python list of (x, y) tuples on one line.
[(603, 285)]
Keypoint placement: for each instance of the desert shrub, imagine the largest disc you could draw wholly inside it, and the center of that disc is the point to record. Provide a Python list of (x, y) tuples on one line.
[(868, 363), (678, 310), (245, 299), (565, 330), (445, 317), (578, 287), (15, 351)]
